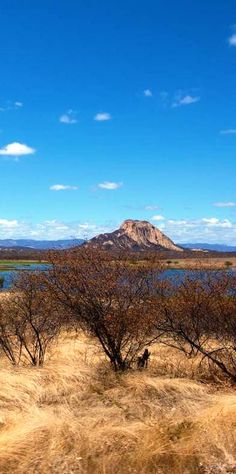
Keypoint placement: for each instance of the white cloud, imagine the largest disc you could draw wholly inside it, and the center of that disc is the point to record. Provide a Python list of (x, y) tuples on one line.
[(16, 149), (188, 99), (229, 131), (204, 222), (185, 100), (49, 229), (110, 185), (210, 230), (18, 104), (87, 226), (225, 204), (63, 187), (102, 117), (148, 93), (9, 224), (158, 218), (177, 222), (70, 117), (213, 221), (206, 230), (232, 40)]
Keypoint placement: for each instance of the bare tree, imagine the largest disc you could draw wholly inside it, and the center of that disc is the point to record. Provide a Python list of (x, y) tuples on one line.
[(10, 346), (199, 318), (29, 321), (108, 297)]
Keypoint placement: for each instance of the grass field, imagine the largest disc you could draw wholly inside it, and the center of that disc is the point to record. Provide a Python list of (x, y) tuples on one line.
[(180, 263), (195, 263), (76, 416)]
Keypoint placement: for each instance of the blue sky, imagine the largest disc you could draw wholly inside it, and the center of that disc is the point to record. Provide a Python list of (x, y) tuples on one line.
[(114, 110)]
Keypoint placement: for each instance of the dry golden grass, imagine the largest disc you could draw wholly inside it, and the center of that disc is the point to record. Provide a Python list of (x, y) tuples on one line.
[(76, 416), (204, 263)]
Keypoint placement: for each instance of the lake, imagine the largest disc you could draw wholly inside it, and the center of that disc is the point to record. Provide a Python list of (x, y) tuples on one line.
[(10, 274)]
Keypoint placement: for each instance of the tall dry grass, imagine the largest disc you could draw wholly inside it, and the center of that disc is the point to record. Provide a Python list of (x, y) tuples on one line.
[(76, 416)]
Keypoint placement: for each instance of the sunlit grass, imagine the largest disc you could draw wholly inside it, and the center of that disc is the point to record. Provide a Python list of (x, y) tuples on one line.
[(76, 416)]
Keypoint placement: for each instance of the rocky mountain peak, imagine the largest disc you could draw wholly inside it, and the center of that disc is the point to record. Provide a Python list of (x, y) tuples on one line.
[(145, 233), (135, 235)]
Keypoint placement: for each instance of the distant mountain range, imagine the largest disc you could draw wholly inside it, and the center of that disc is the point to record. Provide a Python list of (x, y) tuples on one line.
[(133, 235), (210, 247), (40, 244)]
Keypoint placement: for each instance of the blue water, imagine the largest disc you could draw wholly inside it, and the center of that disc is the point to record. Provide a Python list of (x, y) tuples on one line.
[(10, 275), (180, 274), (173, 274)]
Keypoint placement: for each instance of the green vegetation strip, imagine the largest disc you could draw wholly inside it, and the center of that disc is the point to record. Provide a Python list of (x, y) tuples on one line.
[(6, 265)]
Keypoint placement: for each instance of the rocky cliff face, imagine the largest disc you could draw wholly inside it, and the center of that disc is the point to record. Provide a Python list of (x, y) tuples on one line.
[(135, 235)]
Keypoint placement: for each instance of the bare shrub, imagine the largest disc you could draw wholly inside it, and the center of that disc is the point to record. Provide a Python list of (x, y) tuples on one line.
[(29, 321), (109, 298), (10, 346), (199, 318)]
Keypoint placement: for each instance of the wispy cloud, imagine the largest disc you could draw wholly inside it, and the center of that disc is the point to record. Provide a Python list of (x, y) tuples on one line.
[(16, 149), (213, 221), (158, 218), (205, 222), (229, 131), (9, 224), (148, 93), (70, 117), (11, 106), (63, 187), (225, 204), (49, 229), (232, 40), (185, 100), (151, 208), (102, 117), (110, 185), (207, 229)]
